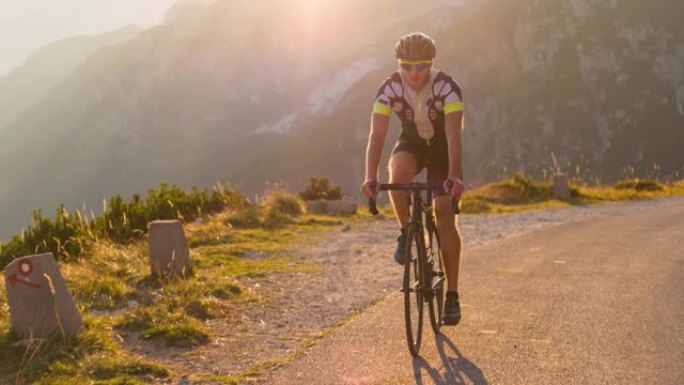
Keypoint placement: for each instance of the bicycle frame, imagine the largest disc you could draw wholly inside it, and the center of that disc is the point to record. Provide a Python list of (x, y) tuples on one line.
[(420, 271), (422, 216)]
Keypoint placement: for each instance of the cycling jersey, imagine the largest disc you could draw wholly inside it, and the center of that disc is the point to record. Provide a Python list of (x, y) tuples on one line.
[(422, 120), (421, 113)]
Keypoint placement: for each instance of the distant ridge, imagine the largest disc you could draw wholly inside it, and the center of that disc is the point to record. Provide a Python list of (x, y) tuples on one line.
[(46, 67)]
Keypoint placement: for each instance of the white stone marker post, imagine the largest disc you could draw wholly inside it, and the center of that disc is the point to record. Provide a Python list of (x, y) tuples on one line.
[(561, 189), (40, 304), (169, 252)]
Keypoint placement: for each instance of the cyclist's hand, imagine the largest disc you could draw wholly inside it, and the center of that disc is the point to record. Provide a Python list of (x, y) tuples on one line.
[(454, 187), (370, 188)]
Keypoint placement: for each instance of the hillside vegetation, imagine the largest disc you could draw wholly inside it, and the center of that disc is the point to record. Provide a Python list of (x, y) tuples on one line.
[(69, 234)]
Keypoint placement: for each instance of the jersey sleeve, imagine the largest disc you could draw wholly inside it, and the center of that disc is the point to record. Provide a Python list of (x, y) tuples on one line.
[(450, 92), (453, 101), (382, 100)]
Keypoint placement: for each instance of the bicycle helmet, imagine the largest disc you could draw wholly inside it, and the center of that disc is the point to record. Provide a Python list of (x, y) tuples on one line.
[(415, 46)]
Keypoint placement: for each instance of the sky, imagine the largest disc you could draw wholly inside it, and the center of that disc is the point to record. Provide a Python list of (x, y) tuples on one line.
[(26, 25)]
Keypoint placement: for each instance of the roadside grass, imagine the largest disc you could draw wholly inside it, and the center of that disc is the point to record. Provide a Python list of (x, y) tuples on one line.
[(119, 299), (90, 357), (517, 194), (524, 194), (632, 189)]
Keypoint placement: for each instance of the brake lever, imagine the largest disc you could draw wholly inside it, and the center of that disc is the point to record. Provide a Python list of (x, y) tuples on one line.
[(372, 203), (455, 203)]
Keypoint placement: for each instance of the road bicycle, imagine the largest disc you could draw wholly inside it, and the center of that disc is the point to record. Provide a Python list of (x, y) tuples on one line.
[(423, 281)]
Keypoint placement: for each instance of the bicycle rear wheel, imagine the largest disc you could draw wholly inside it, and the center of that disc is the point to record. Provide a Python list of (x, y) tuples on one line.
[(412, 285)]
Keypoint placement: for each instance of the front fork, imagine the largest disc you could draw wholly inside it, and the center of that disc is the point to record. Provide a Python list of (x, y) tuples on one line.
[(433, 251)]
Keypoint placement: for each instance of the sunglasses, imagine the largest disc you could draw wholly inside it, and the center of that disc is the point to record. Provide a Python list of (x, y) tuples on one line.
[(408, 65)]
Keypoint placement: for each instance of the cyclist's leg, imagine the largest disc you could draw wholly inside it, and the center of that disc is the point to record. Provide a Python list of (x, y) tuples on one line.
[(446, 221), (403, 167), (450, 239)]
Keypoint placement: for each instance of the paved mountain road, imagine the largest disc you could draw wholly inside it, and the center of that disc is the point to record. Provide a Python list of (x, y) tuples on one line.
[(599, 301)]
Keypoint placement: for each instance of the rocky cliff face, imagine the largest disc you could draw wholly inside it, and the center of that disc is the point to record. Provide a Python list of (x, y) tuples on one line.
[(604, 81), (250, 92), (595, 85)]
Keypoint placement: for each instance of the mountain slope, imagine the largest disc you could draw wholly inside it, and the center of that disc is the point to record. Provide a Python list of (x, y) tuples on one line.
[(250, 92), (46, 67), (188, 102)]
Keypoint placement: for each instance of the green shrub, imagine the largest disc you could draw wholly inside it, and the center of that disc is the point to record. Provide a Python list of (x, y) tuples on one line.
[(285, 202), (279, 208), (200, 308), (320, 188), (64, 237), (274, 217), (226, 291), (104, 293), (247, 217), (518, 190), (530, 190), (68, 235), (176, 328), (639, 185), (471, 204)]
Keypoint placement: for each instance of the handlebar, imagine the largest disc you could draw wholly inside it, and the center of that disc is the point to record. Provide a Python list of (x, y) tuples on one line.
[(372, 203)]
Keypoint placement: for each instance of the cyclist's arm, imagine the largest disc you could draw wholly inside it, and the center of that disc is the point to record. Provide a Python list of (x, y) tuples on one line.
[(376, 141), (453, 127)]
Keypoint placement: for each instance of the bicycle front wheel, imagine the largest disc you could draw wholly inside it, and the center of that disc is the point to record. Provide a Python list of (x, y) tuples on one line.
[(412, 287), (436, 303)]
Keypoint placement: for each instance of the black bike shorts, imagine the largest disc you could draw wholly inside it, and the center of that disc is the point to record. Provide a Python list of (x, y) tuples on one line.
[(434, 157)]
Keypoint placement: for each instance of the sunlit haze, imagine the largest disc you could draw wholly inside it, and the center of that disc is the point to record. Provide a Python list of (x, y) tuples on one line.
[(26, 25)]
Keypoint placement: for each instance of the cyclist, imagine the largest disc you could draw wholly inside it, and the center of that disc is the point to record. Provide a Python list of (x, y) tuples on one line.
[(429, 105)]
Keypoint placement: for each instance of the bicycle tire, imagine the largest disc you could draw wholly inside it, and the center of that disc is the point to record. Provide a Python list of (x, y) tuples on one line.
[(436, 304), (412, 284)]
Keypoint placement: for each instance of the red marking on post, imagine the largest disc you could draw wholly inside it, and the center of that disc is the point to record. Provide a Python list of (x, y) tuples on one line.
[(13, 280), (25, 267)]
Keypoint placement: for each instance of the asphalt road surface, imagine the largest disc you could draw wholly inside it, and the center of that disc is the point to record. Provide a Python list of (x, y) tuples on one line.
[(593, 302)]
